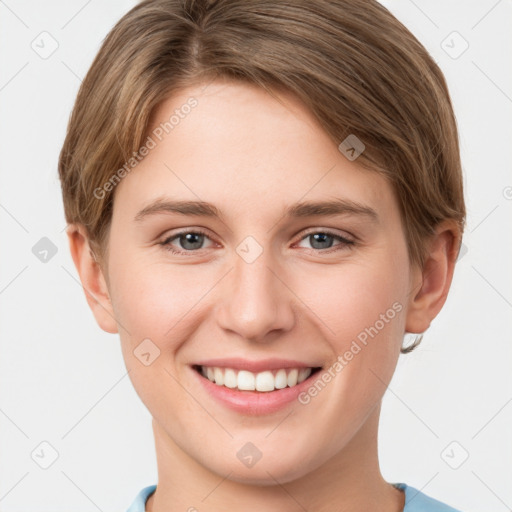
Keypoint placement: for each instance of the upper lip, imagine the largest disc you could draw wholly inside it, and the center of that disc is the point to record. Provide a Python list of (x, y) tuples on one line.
[(255, 366)]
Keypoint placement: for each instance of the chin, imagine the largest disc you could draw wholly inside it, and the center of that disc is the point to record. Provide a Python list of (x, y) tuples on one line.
[(265, 473)]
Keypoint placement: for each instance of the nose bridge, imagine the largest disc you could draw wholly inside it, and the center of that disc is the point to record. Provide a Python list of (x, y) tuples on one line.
[(256, 302)]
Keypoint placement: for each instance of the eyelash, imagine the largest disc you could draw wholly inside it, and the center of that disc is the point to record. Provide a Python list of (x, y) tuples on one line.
[(345, 243)]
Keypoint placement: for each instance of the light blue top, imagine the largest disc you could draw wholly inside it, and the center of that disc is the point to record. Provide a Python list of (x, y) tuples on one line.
[(415, 501)]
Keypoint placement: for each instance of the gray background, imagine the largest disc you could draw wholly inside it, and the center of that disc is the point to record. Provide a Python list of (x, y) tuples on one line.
[(447, 413)]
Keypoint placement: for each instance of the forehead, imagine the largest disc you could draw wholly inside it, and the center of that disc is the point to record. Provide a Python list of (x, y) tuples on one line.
[(245, 148)]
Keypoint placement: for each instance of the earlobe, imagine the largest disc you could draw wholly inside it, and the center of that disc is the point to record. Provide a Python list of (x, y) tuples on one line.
[(92, 278), (431, 284)]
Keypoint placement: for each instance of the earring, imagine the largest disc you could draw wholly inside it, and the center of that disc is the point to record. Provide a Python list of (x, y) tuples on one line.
[(405, 349)]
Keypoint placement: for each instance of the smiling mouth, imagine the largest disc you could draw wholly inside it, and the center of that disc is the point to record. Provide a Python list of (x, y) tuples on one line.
[(265, 381)]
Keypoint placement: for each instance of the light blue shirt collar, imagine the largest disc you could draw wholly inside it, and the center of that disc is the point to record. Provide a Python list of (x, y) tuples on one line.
[(415, 501)]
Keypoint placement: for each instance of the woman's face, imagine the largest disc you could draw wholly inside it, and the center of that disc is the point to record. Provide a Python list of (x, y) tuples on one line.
[(266, 279)]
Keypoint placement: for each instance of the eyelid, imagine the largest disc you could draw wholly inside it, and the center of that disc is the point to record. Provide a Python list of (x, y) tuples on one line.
[(304, 234), (346, 242), (328, 231), (184, 231), (180, 231)]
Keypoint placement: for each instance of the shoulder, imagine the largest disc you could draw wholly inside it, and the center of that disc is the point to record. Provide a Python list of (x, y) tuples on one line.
[(139, 504), (416, 501)]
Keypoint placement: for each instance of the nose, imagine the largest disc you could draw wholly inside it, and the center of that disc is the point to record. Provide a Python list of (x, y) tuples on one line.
[(255, 301)]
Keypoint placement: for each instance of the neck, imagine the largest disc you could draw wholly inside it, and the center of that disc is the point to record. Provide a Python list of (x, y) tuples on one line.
[(351, 479)]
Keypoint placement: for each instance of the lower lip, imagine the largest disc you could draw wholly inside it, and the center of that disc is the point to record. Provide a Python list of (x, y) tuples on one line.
[(254, 403)]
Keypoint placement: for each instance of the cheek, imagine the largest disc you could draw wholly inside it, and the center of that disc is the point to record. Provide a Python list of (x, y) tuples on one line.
[(155, 304), (351, 300), (152, 297), (360, 310), (160, 302)]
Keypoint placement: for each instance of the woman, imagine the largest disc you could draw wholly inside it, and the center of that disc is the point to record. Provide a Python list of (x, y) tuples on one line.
[(263, 197)]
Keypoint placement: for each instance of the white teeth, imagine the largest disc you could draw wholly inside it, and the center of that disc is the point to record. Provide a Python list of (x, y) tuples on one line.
[(245, 380), (281, 380), (304, 373), (292, 377), (263, 381), (219, 376), (230, 380)]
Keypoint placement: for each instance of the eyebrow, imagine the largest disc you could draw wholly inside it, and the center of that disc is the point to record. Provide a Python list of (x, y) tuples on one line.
[(304, 209)]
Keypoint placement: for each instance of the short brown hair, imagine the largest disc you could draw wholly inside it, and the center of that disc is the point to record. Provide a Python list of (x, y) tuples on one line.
[(351, 62)]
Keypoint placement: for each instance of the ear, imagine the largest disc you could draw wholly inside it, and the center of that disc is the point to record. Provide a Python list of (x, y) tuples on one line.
[(92, 278), (430, 284)]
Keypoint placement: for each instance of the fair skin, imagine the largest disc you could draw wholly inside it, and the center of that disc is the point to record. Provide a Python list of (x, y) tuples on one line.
[(252, 157)]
